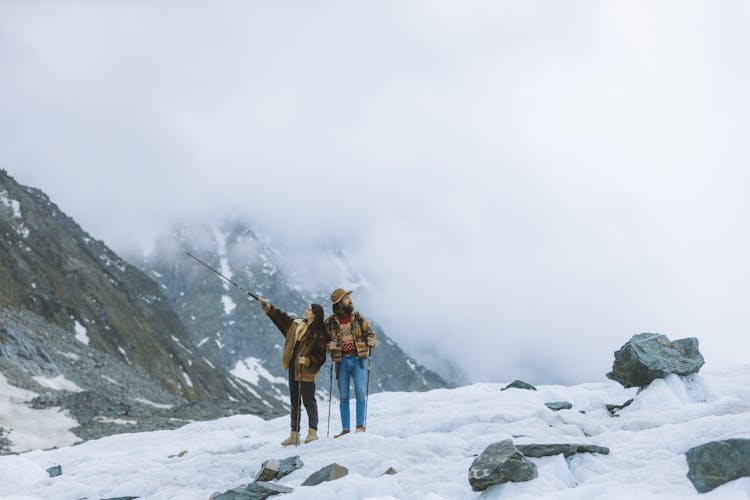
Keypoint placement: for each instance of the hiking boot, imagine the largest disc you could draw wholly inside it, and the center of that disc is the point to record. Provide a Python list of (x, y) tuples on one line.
[(293, 439), (345, 431), (360, 428), (312, 435)]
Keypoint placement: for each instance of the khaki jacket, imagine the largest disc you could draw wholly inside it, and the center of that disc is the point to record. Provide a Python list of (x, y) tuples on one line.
[(312, 345)]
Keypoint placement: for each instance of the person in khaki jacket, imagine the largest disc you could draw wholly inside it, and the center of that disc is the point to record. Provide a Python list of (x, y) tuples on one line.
[(351, 340), (304, 354)]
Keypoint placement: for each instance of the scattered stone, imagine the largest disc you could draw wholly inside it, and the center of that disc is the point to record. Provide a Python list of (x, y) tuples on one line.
[(55, 471), (548, 450), (559, 405), (612, 409), (253, 491), (648, 356), (4, 441), (276, 469), (499, 463), (121, 498), (327, 473), (519, 384), (179, 455), (712, 464), (390, 472)]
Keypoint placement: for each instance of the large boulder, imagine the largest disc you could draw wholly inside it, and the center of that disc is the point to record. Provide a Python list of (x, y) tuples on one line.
[(327, 473), (253, 491), (648, 356), (547, 450), (276, 469), (712, 464), (500, 462)]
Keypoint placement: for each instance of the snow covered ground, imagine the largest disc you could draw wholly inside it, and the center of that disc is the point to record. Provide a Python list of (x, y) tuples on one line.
[(30, 428), (430, 439)]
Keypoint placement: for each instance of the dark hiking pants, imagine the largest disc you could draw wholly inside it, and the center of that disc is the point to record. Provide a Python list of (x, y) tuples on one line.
[(308, 399)]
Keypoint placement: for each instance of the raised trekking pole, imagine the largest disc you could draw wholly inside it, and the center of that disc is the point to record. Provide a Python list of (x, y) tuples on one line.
[(330, 397), (367, 390), (217, 272)]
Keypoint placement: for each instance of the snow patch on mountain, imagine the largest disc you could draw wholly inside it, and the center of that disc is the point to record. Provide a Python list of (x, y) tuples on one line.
[(151, 403), (252, 370), (221, 242), (9, 202), (187, 379), (31, 428), (81, 333), (228, 303), (59, 383)]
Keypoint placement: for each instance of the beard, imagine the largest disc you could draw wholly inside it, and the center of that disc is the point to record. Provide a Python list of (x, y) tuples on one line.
[(344, 310)]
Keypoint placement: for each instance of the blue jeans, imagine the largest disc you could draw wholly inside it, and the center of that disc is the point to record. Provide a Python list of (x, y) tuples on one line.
[(350, 367)]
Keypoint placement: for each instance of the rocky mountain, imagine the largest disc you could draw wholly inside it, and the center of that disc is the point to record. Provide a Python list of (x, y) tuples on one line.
[(231, 330), (73, 392), (52, 270)]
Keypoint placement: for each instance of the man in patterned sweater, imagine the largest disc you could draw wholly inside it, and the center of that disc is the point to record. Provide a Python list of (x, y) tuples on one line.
[(351, 340)]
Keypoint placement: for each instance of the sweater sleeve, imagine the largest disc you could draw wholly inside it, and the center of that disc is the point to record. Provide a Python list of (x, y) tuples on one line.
[(281, 319), (366, 330)]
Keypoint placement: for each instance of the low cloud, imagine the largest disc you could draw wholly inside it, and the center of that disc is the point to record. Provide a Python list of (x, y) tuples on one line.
[(525, 185)]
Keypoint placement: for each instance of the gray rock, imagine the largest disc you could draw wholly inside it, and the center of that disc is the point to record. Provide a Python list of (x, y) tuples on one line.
[(4, 441), (500, 463), (55, 471), (254, 491), (612, 409), (548, 450), (519, 384), (327, 473), (276, 469), (121, 498), (712, 464), (390, 472), (559, 405), (648, 356)]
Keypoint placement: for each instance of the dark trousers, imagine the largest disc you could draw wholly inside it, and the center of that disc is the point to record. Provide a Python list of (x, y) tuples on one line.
[(308, 399)]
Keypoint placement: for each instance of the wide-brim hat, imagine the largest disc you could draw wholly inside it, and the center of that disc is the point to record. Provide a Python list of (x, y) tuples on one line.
[(339, 294)]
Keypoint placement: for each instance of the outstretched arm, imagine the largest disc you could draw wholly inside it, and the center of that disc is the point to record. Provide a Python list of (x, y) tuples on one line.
[(281, 319)]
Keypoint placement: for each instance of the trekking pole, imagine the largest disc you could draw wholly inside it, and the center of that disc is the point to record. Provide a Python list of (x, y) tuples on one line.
[(330, 397), (217, 272), (367, 393), (299, 402)]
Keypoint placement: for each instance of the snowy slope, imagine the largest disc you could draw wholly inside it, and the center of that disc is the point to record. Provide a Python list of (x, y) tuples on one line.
[(431, 439)]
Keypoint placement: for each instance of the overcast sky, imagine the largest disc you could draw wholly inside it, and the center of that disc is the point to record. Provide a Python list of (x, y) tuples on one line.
[(525, 184)]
